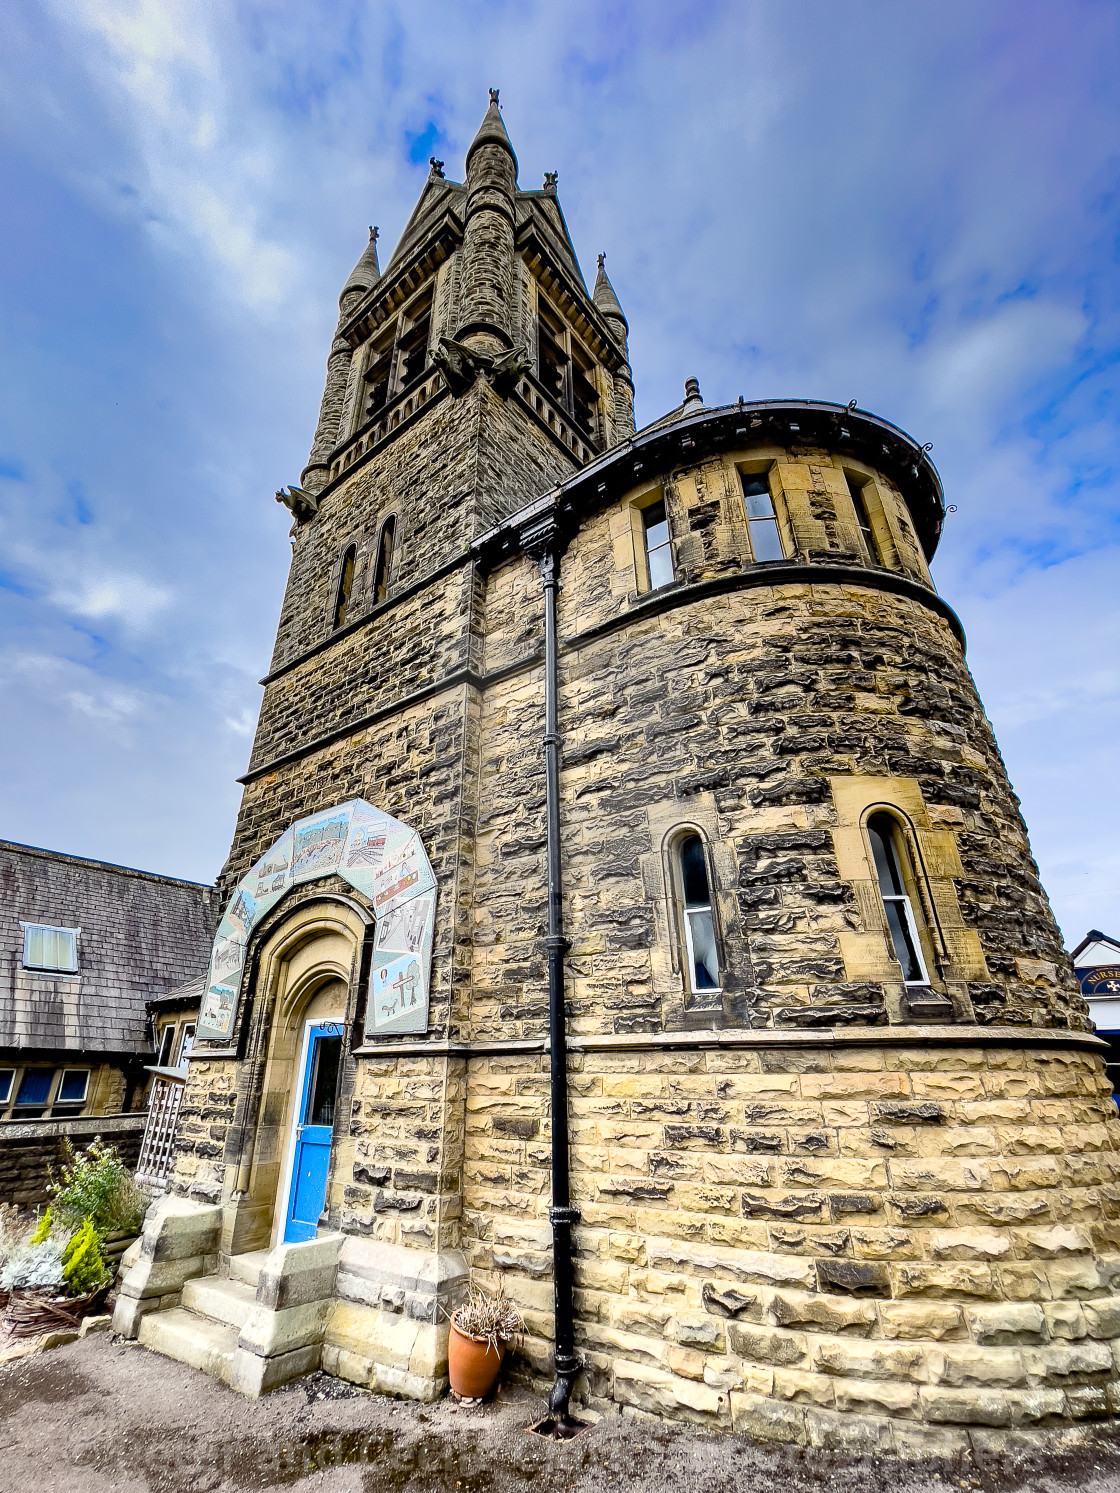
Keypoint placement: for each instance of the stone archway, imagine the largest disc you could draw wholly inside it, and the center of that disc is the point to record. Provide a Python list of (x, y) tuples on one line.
[(306, 972)]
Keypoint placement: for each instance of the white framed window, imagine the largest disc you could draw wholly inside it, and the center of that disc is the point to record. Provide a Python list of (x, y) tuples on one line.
[(762, 520), (73, 1087), (49, 948), (890, 857), (659, 545), (697, 916), (166, 1046), (7, 1081), (186, 1042)]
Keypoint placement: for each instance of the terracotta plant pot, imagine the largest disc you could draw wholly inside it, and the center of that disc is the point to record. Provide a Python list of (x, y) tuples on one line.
[(472, 1364)]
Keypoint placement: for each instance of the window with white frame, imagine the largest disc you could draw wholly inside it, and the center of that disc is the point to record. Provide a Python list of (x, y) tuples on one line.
[(891, 867), (659, 545), (702, 957), (73, 1090), (762, 520), (166, 1046), (186, 1042), (7, 1082), (49, 948)]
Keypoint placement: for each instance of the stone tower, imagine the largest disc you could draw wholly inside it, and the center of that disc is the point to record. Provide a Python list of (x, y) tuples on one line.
[(667, 735)]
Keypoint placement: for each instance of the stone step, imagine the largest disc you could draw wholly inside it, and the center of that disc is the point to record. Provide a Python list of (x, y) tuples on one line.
[(247, 1267), (197, 1341), (228, 1301)]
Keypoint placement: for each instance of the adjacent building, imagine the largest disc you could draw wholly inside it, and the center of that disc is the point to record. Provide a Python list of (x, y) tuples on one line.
[(628, 902), (85, 946)]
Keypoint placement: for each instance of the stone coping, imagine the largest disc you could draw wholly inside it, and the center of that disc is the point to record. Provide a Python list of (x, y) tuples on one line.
[(817, 1038), (76, 1126)]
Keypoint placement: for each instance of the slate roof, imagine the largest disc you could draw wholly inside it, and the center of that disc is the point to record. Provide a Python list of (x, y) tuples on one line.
[(142, 936)]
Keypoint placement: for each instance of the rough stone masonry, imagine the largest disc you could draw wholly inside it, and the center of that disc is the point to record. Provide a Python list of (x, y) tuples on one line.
[(842, 1147)]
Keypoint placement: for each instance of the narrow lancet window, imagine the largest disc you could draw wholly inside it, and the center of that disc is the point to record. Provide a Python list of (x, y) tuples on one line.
[(863, 518), (384, 560), (699, 924), (890, 860), (659, 548), (345, 586), (762, 521)]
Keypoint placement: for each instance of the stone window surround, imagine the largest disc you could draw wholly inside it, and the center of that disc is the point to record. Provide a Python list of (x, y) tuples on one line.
[(598, 375), (915, 883), (671, 843), (770, 469), (340, 605), (378, 580), (354, 417), (957, 954), (635, 504)]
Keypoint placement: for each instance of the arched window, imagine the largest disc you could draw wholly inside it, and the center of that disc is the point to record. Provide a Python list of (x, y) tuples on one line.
[(345, 586), (384, 560), (696, 914), (895, 875)]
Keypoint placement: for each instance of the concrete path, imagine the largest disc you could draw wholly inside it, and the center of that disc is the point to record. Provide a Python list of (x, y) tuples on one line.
[(100, 1415)]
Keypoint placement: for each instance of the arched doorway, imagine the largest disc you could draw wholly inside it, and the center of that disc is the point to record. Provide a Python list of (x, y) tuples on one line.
[(303, 1177), (305, 985)]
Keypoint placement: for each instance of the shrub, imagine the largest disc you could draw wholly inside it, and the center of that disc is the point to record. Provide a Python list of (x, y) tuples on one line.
[(42, 1229), (96, 1184), (83, 1269), (35, 1265)]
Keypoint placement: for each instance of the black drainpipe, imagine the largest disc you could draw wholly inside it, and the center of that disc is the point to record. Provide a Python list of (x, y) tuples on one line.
[(561, 1215)]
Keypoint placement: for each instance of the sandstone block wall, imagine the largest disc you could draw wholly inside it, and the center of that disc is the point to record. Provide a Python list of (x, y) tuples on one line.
[(926, 1238)]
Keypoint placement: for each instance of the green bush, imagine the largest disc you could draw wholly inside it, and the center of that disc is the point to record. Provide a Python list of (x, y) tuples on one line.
[(83, 1269), (42, 1229), (96, 1185)]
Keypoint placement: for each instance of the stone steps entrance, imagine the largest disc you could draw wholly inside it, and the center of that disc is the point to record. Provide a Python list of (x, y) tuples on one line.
[(254, 1321), (204, 1331)]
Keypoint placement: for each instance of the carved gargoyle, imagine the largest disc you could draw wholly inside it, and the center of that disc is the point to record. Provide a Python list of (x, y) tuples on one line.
[(461, 365), (458, 364), (507, 369), (303, 504)]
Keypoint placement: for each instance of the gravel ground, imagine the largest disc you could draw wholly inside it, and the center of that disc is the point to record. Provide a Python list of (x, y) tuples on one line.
[(102, 1414)]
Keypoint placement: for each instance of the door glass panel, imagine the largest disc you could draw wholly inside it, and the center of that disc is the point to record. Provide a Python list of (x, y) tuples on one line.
[(324, 1081)]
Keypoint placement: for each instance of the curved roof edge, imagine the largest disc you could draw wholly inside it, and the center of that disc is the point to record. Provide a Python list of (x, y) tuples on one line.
[(689, 437)]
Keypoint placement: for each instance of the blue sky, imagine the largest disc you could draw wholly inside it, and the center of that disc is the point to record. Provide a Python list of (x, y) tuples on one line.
[(914, 205)]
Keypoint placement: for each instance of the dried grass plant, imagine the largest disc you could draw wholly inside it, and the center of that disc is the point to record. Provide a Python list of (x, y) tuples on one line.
[(488, 1316)]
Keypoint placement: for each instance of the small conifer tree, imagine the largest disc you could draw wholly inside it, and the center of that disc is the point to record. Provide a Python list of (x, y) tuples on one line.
[(83, 1269), (42, 1229)]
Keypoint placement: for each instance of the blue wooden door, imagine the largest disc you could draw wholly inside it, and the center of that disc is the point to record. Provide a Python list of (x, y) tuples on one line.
[(312, 1152)]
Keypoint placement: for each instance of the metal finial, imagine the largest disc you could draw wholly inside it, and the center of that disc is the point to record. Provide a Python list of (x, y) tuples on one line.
[(494, 96), (437, 166), (602, 260), (374, 234), (550, 181)]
